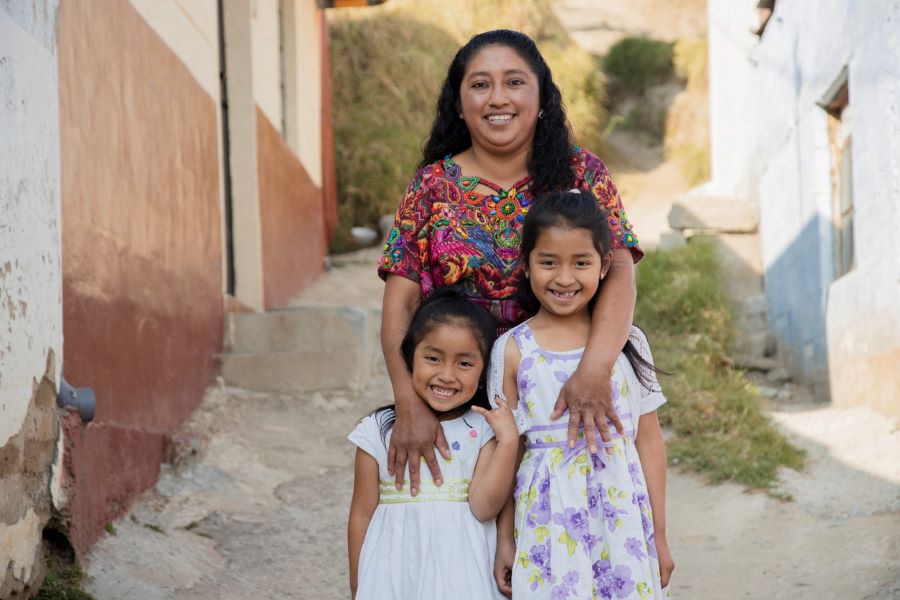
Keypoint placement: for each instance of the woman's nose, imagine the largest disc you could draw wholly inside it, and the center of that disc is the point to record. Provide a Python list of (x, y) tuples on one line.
[(498, 96)]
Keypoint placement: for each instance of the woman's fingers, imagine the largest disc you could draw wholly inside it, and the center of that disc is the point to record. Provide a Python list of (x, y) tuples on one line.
[(415, 464), (613, 417), (392, 456), (399, 466), (559, 408)]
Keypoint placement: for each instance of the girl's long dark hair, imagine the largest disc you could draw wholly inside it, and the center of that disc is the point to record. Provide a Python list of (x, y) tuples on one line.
[(550, 161), (575, 209), (447, 305)]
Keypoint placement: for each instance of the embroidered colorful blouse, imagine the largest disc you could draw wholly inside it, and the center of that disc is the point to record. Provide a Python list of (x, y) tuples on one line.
[(447, 231)]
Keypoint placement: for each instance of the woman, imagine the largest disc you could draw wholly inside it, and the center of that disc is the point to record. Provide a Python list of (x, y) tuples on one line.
[(500, 137)]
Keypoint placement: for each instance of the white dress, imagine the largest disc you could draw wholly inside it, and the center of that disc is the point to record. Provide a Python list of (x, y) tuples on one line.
[(584, 529), (431, 545)]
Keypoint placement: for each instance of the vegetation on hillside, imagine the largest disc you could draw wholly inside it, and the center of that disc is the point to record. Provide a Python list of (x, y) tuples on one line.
[(715, 412), (388, 63), (687, 123)]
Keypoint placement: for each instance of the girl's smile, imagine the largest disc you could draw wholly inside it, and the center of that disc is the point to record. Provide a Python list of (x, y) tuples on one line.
[(564, 270), (447, 367)]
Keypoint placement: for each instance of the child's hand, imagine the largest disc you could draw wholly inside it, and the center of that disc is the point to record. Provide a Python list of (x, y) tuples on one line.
[(666, 564), (501, 421), (503, 564)]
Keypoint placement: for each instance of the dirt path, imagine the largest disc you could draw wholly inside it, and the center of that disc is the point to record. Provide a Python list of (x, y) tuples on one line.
[(261, 513)]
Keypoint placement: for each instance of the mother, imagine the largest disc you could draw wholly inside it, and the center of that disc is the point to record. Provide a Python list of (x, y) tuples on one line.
[(500, 137)]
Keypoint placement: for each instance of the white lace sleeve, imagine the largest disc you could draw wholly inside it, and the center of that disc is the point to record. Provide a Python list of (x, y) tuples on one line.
[(495, 380)]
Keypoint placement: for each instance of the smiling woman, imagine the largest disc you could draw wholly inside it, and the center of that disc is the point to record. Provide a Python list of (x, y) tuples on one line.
[(499, 137)]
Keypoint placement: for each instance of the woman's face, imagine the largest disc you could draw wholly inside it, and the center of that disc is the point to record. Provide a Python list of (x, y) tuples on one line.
[(499, 99)]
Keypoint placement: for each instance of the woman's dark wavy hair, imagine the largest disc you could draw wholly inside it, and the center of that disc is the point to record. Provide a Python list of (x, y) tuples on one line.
[(549, 163), (447, 305), (574, 209)]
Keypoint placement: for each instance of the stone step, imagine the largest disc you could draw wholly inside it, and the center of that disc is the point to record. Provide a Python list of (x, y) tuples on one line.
[(711, 214), (303, 348)]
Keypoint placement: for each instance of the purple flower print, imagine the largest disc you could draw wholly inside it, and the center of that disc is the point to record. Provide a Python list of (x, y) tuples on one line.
[(593, 501), (455, 445), (622, 580), (635, 548), (571, 578), (651, 546), (540, 558), (526, 384), (611, 513), (561, 376), (634, 469), (559, 592), (601, 568), (575, 522)]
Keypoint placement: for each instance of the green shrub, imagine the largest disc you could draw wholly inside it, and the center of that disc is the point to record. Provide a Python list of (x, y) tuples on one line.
[(715, 412), (638, 63)]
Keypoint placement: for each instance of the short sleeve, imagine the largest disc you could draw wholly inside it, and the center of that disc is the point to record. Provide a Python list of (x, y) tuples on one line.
[(367, 435), (406, 247), (495, 380), (651, 398), (598, 179)]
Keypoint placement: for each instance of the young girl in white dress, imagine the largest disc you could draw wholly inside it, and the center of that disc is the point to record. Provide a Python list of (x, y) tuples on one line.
[(586, 525), (437, 542)]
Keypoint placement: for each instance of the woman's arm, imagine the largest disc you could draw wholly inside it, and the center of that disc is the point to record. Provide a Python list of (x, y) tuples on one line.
[(416, 431), (587, 393), (652, 451), (362, 507)]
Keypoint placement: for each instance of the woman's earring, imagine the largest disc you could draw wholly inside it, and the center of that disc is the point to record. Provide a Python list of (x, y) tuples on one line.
[(541, 114), (460, 116)]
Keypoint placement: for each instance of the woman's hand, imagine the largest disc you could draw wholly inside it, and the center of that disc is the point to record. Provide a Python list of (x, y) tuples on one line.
[(415, 434), (503, 564), (588, 396), (666, 564), (501, 421)]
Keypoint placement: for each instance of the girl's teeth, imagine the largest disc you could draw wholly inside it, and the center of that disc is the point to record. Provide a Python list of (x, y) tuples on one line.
[(441, 391)]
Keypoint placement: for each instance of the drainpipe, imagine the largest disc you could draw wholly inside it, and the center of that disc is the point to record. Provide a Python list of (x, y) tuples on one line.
[(81, 399)]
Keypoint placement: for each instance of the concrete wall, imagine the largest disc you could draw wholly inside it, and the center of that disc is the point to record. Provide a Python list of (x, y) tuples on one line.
[(844, 333), (731, 98), (142, 250), (30, 303)]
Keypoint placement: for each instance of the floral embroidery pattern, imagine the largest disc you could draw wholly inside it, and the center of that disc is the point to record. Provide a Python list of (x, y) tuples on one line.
[(448, 231)]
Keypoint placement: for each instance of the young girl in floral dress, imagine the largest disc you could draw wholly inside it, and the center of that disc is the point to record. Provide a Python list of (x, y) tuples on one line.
[(586, 525), (436, 542)]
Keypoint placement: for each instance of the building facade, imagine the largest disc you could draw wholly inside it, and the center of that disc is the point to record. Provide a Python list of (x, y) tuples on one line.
[(171, 161), (806, 122)]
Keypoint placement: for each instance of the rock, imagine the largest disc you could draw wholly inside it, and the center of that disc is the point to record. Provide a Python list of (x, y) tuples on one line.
[(777, 376), (754, 363), (670, 240), (713, 214), (385, 224), (364, 235)]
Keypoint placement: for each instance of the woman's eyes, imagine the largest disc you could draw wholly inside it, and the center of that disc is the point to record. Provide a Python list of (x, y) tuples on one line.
[(517, 82)]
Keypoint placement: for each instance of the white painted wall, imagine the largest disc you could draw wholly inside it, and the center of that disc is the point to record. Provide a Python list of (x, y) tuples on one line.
[(306, 136), (266, 59), (190, 29), (845, 331), (30, 277), (732, 128)]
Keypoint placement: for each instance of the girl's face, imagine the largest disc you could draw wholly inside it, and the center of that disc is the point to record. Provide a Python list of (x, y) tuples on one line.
[(564, 270), (447, 366), (499, 100)]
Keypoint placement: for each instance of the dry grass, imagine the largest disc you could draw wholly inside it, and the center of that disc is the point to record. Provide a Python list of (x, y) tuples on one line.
[(387, 66), (687, 123)]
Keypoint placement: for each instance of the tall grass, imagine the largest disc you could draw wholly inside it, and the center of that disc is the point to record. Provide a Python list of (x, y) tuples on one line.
[(687, 124), (387, 66), (715, 412), (638, 63)]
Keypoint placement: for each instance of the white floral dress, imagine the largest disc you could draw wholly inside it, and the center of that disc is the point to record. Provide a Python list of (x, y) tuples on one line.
[(583, 523), (431, 545)]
